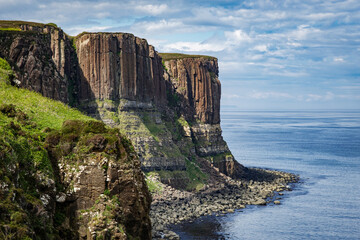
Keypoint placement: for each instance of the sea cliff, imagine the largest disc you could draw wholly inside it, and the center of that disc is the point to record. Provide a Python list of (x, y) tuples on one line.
[(162, 116), (121, 80)]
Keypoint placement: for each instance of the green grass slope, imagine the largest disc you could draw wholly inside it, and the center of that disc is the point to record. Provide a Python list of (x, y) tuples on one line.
[(44, 111), (26, 171)]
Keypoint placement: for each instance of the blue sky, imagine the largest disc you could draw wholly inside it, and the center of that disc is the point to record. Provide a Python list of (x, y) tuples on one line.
[(289, 54)]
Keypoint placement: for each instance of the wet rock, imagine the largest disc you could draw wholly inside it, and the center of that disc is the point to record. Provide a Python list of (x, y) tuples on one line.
[(231, 196)]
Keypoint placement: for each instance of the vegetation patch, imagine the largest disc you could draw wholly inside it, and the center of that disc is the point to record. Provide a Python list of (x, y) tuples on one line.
[(154, 128), (196, 176), (213, 76), (16, 24), (34, 132), (77, 139), (153, 183), (52, 24), (173, 56), (192, 179), (220, 157), (23, 161), (10, 29), (6, 74), (163, 65), (44, 111), (73, 42), (173, 98)]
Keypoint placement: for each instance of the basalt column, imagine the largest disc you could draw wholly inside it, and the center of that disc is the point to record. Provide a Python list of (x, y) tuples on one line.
[(195, 79), (116, 66)]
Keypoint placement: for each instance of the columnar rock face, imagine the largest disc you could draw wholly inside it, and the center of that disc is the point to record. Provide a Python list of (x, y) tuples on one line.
[(43, 57), (115, 66), (196, 79), (169, 109), (121, 82)]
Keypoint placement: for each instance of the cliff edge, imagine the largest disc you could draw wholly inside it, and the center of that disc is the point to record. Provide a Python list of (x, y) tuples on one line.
[(63, 175), (168, 105), (195, 80), (66, 176)]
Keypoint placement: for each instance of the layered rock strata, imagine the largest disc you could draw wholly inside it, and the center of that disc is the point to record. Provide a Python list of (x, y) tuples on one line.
[(81, 181), (121, 83), (103, 187), (42, 57), (195, 80), (116, 66), (170, 110)]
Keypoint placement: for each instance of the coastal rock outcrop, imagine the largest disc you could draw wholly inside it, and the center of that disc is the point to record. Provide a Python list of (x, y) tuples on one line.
[(167, 104), (195, 81), (103, 186), (80, 181), (87, 178), (116, 66), (41, 56)]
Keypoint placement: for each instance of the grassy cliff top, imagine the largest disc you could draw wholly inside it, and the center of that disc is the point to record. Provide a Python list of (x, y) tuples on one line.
[(172, 56), (15, 25), (44, 111)]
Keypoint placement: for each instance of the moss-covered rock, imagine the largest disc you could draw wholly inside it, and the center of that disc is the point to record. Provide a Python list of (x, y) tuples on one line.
[(48, 174)]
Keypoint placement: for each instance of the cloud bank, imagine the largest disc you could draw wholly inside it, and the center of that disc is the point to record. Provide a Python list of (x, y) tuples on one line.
[(303, 51)]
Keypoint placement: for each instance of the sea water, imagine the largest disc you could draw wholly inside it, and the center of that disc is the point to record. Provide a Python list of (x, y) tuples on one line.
[(323, 147)]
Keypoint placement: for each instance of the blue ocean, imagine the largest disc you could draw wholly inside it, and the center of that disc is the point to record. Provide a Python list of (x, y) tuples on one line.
[(323, 147)]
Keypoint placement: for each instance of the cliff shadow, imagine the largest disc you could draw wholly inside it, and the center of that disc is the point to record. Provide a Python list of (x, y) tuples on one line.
[(259, 175), (84, 95)]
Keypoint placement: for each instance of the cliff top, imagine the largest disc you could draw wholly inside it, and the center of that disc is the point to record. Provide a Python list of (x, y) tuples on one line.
[(172, 56), (84, 33), (15, 25)]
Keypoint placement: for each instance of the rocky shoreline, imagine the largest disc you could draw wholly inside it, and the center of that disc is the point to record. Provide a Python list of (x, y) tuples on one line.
[(171, 206)]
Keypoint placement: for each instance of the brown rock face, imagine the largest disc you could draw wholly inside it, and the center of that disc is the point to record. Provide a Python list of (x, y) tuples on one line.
[(120, 79), (196, 83), (196, 79), (104, 66), (104, 191), (43, 59), (119, 66)]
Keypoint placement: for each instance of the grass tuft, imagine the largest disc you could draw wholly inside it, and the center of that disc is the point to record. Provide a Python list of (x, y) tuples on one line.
[(173, 56)]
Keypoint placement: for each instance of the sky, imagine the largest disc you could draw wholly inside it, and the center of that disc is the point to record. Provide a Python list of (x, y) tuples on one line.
[(273, 55)]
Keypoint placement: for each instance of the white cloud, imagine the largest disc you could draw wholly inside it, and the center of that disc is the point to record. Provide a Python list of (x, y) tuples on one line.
[(310, 97), (317, 97), (193, 47), (266, 95), (278, 41), (152, 9), (89, 29), (231, 96), (339, 59), (294, 44), (324, 15), (313, 97), (303, 32), (288, 73), (232, 40), (329, 96), (261, 48), (349, 97), (161, 26), (236, 37)]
